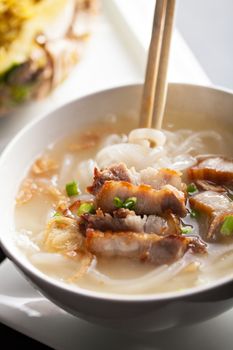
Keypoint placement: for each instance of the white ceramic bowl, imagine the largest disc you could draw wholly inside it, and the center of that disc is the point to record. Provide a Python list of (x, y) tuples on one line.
[(149, 312)]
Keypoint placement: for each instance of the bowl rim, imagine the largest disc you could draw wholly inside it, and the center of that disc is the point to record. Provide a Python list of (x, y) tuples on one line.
[(30, 270)]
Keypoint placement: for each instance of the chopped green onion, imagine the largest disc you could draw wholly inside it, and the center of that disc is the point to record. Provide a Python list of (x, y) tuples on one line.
[(20, 93), (56, 214), (57, 217), (192, 188), (130, 203), (227, 226), (186, 229), (194, 214), (72, 188), (7, 74), (118, 202), (86, 208)]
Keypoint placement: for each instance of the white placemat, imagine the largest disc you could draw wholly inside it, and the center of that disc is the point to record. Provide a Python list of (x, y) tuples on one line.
[(28, 312)]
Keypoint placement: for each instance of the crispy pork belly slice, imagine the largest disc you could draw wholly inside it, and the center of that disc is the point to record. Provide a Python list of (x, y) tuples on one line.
[(214, 207), (125, 220), (149, 201), (152, 248), (208, 186), (117, 172), (215, 227), (218, 170), (157, 178), (210, 203)]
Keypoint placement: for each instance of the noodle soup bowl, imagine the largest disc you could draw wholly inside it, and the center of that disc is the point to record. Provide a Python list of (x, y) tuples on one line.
[(130, 312)]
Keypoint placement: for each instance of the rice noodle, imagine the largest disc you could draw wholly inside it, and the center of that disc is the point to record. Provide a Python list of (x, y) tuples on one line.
[(84, 172), (182, 162), (137, 285), (147, 137), (177, 153), (132, 155), (65, 170), (223, 258), (48, 259), (86, 263), (25, 241), (193, 143), (114, 139)]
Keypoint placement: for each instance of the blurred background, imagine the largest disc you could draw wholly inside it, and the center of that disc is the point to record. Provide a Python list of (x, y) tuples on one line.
[(115, 53), (207, 27)]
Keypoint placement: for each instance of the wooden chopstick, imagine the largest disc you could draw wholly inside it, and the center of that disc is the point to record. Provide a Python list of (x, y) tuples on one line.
[(161, 85), (155, 86), (153, 64)]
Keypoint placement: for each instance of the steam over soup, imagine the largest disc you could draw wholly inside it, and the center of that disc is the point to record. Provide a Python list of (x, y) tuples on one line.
[(130, 212)]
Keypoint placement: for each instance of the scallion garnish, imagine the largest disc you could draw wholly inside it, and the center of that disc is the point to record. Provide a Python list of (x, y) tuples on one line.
[(227, 226), (194, 214), (186, 229), (118, 202), (192, 188), (129, 203), (56, 214), (72, 189), (86, 208)]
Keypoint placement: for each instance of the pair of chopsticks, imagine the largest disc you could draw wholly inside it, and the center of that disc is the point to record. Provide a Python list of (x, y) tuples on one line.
[(155, 86)]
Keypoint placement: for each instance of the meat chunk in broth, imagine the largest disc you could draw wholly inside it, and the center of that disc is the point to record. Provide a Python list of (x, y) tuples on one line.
[(155, 249), (218, 170), (117, 172), (214, 208), (204, 185), (156, 178), (148, 200), (124, 220)]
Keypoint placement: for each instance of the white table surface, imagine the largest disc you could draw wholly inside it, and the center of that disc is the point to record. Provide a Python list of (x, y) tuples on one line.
[(111, 59), (28, 312)]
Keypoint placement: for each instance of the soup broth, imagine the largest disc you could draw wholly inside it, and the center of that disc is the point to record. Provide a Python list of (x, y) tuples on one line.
[(42, 197)]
